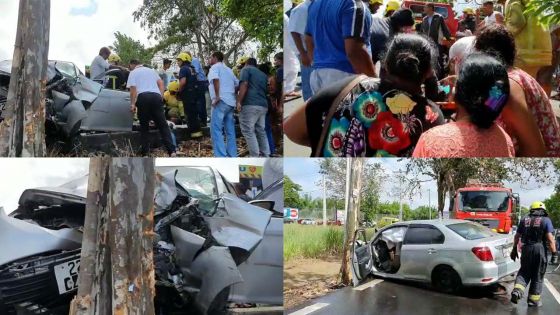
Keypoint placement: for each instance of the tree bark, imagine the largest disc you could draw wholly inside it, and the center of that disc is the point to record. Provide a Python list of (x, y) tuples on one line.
[(353, 191), (116, 271), (22, 133)]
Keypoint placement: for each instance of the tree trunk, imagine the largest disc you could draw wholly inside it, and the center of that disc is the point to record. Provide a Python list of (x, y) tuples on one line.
[(354, 170), (116, 271), (22, 133)]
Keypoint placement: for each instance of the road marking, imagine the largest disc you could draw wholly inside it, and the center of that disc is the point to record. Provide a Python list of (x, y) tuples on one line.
[(310, 309), (552, 290), (368, 285)]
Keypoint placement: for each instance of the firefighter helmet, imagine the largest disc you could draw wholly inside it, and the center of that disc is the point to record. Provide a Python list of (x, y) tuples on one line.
[(392, 5), (173, 86), (184, 57), (537, 205), (114, 58)]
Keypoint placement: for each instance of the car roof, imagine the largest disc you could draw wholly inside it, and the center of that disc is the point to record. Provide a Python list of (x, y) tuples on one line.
[(436, 222)]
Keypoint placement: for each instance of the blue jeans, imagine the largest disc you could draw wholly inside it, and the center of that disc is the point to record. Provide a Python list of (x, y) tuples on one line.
[(252, 121), (305, 79), (222, 120), (268, 129)]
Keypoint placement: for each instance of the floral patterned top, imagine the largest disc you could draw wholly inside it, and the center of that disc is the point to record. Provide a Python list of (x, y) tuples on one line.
[(541, 108), (463, 139), (373, 119)]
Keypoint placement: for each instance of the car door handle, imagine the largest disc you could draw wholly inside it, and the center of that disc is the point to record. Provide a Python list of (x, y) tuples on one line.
[(432, 251)]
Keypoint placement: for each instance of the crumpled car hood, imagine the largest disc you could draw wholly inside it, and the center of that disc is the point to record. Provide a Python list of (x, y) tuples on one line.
[(241, 225), (20, 239)]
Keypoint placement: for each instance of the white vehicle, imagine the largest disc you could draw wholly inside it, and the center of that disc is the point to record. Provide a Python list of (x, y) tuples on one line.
[(446, 253)]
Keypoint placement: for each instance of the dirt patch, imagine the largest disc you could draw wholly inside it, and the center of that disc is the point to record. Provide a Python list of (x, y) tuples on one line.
[(305, 279)]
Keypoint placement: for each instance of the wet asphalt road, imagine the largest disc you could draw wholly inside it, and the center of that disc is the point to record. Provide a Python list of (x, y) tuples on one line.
[(391, 297)]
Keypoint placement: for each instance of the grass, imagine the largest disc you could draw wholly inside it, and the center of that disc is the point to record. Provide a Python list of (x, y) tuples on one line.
[(311, 241)]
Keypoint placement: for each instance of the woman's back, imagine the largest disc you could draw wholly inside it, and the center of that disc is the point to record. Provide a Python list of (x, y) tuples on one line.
[(464, 139)]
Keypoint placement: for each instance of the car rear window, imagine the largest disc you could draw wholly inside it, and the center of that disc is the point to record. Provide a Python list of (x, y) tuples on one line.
[(470, 231)]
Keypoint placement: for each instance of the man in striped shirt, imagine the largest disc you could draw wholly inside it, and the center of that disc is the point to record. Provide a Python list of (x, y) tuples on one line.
[(337, 39)]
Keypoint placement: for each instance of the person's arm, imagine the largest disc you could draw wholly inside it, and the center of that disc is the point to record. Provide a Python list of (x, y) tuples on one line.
[(521, 124), (216, 84), (182, 83), (243, 87), (499, 18), (295, 127), (310, 47), (160, 86), (445, 29), (551, 243), (359, 57), (301, 49), (133, 96)]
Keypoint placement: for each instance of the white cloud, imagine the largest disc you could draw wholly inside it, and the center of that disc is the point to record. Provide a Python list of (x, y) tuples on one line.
[(20, 174), (77, 38)]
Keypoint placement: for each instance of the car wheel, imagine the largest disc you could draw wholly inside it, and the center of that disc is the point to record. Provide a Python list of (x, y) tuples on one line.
[(446, 279)]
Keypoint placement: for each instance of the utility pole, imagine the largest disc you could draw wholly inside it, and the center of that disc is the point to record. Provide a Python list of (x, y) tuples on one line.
[(22, 132), (116, 271), (325, 199), (354, 170), (400, 194)]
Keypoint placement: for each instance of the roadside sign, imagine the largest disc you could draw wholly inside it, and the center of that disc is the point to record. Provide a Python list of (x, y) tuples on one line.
[(291, 213), (251, 177)]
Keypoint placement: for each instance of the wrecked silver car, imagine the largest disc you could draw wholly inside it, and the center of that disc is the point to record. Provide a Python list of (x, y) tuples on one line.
[(204, 232), (75, 103)]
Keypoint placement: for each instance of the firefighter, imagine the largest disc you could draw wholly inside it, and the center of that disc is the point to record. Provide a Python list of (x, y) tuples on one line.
[(174, 105), (188, 85), (534, 231)]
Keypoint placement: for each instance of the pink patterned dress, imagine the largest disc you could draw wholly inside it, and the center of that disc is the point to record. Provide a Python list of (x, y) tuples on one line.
[(541, 108), (463, 139)]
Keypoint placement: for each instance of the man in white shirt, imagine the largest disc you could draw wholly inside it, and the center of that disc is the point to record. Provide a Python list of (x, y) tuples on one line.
[(296, 27), (492, 17), (222, 86), (100, 65), (166, 74), (146, 97)]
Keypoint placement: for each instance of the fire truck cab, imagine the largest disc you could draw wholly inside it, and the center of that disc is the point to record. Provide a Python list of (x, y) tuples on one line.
[(491, 205)]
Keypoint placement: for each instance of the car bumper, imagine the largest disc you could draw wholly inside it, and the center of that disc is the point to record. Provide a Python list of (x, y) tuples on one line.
[(486, 273), (32, 281)]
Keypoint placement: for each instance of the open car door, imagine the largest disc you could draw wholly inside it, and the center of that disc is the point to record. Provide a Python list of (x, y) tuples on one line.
[(361, 257)]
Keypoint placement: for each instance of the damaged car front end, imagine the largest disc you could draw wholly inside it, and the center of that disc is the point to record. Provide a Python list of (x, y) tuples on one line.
[(203, 232), (74, 103)]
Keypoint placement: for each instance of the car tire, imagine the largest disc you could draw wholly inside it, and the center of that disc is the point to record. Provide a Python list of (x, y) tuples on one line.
[(446, 279)]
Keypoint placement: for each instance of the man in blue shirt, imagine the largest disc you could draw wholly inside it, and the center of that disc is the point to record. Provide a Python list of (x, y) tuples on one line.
[(535, 231), (202, 87), (337, 38)]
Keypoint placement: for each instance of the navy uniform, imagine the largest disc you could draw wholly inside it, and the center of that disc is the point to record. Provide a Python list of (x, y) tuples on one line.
[(532, 230), (189, 94)]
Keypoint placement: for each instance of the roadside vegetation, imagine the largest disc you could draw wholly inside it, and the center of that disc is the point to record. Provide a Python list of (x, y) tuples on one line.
[(314, 241)]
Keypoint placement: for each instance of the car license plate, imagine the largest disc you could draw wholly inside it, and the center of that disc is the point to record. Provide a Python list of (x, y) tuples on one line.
[(66, 275)]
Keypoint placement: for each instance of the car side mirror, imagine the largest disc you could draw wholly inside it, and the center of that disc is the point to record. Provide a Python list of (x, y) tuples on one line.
[(265, 204)]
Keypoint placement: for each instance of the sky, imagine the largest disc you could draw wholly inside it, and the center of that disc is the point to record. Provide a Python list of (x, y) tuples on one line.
[(305, 172), (20, 174), (79, 28)]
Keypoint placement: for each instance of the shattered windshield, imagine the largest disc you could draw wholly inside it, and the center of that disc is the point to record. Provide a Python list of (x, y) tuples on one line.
[(483, 201), (67, 69), (200, 183)]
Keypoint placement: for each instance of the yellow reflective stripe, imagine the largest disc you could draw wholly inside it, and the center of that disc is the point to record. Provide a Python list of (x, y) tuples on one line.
[(535, 297), (519, 286)]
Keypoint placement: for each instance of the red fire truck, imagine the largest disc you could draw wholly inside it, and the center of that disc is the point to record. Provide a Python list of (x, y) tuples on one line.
[(491, 205)]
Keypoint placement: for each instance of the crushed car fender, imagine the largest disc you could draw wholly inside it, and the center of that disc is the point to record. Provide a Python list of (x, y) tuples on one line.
[(20, 239), (218, 270), (187, 245)]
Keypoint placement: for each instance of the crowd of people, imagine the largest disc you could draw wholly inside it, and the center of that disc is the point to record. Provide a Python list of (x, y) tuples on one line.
[(409, 83), (168, 98)]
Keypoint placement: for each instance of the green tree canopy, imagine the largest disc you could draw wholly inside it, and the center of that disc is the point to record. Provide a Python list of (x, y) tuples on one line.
[(127, 48), (546, 11), (291, 193)]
